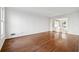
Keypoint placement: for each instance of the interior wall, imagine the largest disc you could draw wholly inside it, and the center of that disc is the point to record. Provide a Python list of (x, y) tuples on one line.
[(0, 22), (20, 23), (73, 25), (0, 28)]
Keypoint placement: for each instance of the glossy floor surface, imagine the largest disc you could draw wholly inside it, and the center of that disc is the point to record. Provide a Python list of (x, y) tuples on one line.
[(43, 42)]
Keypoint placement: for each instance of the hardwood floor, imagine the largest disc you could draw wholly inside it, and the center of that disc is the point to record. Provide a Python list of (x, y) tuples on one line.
[(43, 42)]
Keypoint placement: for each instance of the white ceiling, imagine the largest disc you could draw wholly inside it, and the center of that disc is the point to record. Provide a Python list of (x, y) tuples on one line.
[(47, 11)]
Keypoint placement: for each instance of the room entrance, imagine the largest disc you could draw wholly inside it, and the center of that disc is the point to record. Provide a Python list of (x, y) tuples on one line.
[(61, 25)]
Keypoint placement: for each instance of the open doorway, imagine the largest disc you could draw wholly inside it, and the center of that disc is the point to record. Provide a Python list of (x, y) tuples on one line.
[(61, 25)]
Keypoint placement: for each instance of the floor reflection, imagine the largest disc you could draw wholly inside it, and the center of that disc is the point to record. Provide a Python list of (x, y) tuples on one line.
[(42, 42), (60, 35)]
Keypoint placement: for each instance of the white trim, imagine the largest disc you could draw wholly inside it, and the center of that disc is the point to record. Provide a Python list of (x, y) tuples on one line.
[(73, 33), (2, 19), (22, 34), (2, 41)]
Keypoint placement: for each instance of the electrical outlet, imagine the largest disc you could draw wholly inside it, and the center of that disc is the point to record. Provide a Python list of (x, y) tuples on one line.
[(13, 34)]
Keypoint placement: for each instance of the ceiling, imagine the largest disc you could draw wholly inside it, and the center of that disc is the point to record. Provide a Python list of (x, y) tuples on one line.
[(47, 11)]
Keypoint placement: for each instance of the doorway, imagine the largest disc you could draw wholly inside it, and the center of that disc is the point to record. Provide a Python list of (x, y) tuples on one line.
[(61, 25)]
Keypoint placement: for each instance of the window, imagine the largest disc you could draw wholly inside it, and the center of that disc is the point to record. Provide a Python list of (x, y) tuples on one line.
[(1, 21)]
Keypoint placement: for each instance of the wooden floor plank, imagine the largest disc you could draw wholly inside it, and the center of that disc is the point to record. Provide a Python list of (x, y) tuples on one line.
[(43, 42)]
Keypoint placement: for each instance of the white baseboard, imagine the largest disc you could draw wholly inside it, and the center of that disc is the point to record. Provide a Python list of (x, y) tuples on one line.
[(22, 34), (73, 33)]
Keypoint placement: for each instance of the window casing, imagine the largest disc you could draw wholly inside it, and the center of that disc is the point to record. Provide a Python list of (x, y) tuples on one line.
[(2, 22)]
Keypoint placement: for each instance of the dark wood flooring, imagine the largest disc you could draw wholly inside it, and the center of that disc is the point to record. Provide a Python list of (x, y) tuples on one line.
[(42, 42)]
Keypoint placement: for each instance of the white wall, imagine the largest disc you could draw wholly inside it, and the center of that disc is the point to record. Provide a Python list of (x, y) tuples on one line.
[(27, 23), (24, 23), (73, 26), (0, 22)]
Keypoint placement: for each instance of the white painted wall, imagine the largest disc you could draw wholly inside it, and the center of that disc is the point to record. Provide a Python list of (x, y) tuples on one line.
[(73, 26), (0, 22), (27, 23), (24, 23)]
